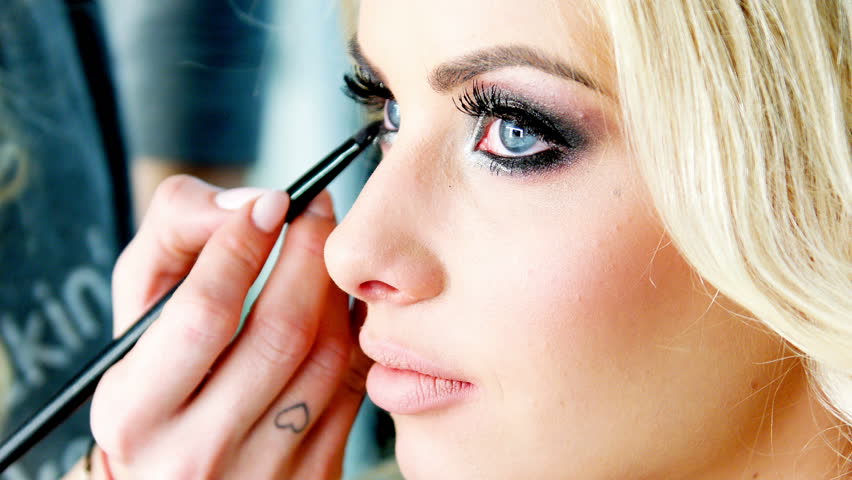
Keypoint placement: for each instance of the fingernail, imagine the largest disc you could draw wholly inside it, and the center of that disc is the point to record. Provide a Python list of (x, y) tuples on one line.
[(321, 206), (268, 212), (235, 198)]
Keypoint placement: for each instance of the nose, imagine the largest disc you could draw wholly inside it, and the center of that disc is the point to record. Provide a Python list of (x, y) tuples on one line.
[(381, 251)]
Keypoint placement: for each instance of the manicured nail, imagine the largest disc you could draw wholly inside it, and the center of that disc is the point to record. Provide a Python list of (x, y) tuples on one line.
[(235, 198), (321, 206), (268, 211)]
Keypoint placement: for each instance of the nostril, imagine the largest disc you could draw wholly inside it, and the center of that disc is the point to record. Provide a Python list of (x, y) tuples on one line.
[(375, 290)]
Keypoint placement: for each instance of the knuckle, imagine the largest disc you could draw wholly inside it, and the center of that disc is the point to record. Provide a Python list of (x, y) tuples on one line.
[(282, 340), (120, 441), (201, 320), (168, 211), (172, 241), (117, 428), (170, 190), (244, 256), (330, 358), (309, 238)]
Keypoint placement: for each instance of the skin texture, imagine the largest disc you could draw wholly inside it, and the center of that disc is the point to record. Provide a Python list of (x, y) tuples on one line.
[(595, 350)]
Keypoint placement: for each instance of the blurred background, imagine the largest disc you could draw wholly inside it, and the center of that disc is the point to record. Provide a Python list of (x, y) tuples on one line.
[(102, 99)]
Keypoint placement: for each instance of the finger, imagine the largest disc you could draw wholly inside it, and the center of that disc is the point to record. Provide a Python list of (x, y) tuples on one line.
[(320, 457), (321, 454), (295, 410), (175, 354), (281, 328), (202, 317), (182, 217)]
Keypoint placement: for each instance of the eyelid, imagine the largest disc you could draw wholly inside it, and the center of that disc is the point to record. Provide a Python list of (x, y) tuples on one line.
[(564, 136), (480, 101), (491, 102)]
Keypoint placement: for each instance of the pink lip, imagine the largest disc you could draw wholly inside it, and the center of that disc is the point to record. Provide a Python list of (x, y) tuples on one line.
[(403, 382)]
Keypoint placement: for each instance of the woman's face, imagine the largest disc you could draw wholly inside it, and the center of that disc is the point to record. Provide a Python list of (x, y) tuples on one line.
[(507, 240)]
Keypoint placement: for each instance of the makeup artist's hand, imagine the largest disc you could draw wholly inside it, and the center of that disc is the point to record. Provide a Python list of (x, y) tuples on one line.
[(187, 403)]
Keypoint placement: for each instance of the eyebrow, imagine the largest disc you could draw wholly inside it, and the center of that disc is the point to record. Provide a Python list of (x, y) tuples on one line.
[(455, 72)]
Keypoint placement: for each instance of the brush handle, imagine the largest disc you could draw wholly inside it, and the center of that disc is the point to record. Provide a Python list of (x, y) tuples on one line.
[(79, 389)]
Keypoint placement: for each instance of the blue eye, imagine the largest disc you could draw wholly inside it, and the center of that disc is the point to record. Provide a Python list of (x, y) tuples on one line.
[(392, 115), (505, 138), (515, 138)]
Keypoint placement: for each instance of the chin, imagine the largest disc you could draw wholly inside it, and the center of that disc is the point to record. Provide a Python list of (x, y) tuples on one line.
[(427, 451), (430, 449)]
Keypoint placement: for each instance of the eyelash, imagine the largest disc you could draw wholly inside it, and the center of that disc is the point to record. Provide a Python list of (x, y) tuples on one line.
[(366, 90), (484, 102)]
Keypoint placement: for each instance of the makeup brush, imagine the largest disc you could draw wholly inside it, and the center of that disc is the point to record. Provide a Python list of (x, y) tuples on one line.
[(79, 389)]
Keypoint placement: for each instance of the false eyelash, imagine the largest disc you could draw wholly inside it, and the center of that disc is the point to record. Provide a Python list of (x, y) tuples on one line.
[(365, 89), (481, 101), (565, 138)]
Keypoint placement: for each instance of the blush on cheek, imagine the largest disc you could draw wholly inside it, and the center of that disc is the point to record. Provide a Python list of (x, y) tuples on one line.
[(578, 335), (620, 285)]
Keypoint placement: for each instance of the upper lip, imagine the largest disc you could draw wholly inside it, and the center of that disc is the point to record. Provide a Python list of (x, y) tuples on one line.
[(393, 355)]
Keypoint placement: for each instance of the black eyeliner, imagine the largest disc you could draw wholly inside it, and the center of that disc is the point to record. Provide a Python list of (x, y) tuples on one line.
[(541, 162)]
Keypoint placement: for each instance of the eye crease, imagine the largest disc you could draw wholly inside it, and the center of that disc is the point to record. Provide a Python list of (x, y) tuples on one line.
[(514, 135)]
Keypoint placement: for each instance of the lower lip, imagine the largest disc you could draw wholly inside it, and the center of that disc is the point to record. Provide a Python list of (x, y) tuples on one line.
[(407, 392)]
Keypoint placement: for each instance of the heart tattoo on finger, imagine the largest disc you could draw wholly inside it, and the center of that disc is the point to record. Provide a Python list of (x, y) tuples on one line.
[(293, 418)]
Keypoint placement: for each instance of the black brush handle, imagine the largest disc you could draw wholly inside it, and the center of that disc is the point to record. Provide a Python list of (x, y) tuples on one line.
[(79, 389)]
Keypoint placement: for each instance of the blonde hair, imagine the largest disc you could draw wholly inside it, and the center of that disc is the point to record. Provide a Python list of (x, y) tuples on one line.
[(740, 113)]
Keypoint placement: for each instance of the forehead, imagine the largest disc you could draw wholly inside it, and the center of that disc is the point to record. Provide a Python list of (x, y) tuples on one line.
[(420, 35)]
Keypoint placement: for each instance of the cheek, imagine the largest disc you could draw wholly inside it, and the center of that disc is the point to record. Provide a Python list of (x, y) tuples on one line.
[(574, 292), (600, 327), (613, 284), (560, 328), (602, 279)]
